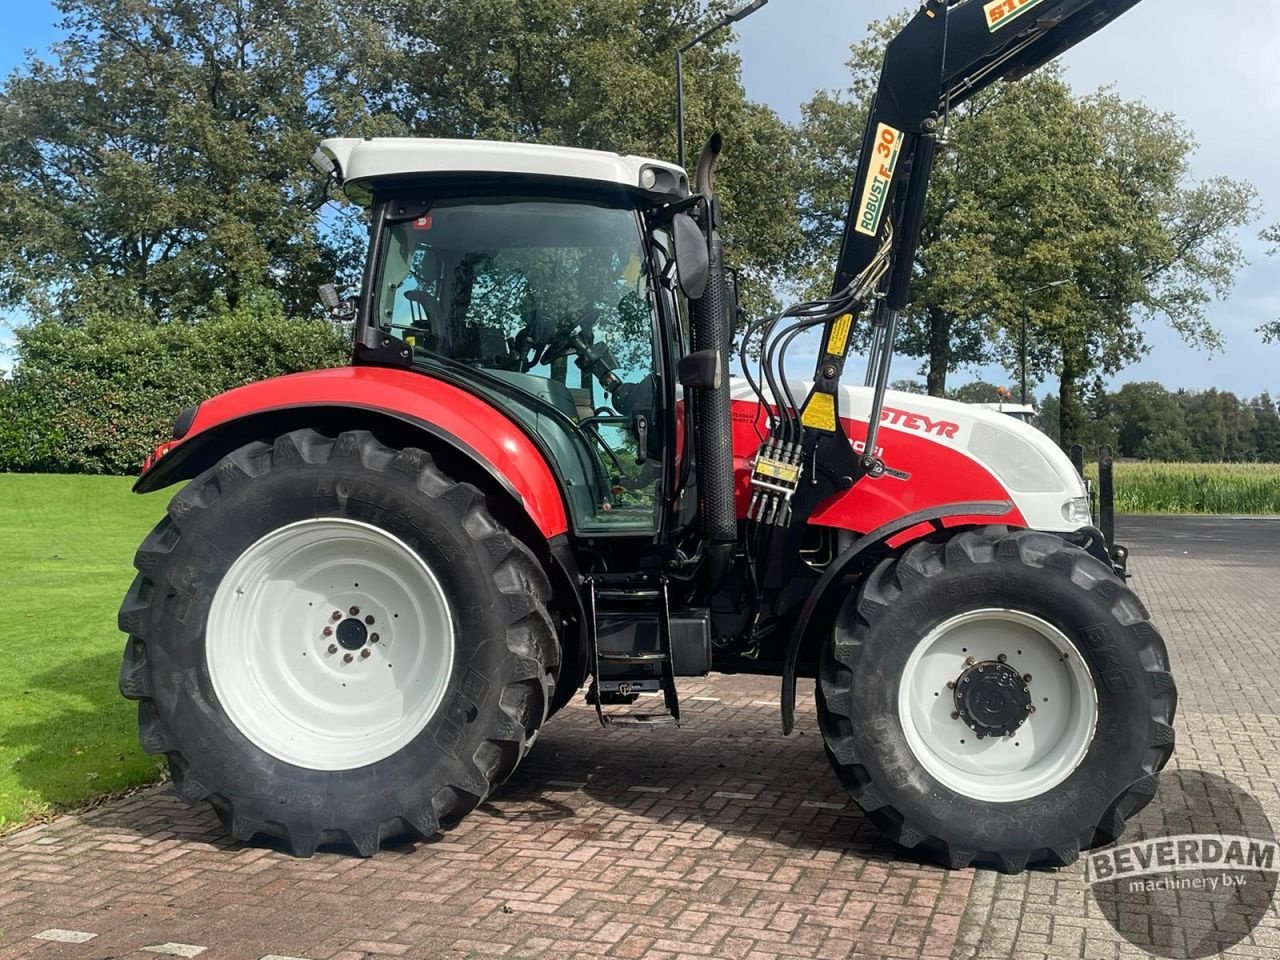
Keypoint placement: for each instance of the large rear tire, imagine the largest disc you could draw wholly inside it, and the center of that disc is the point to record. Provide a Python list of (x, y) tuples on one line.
[(334, 642), (997, 698)]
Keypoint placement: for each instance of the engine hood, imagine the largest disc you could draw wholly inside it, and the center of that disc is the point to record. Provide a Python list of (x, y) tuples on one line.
[(1038, 476)]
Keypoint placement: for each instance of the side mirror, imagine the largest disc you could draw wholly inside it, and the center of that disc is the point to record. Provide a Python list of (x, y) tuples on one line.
[(735, 305), (700, 370), (334, 305), (692, 261)]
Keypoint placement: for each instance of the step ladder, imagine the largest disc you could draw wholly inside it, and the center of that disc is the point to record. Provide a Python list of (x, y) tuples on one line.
[(629, 618)]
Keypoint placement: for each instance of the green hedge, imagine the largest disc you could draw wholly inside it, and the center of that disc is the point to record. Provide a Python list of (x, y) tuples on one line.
[(97, 397)]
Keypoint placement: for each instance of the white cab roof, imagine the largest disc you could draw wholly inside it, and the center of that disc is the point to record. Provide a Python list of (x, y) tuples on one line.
[(362, 161)]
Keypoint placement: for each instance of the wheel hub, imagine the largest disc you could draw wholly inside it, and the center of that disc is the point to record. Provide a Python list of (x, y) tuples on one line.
[(330, 643), (981, 739), (992, 698), (352, 634)]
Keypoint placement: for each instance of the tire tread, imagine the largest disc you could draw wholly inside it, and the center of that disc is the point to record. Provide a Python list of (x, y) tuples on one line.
[(530, 638), (927, 559)]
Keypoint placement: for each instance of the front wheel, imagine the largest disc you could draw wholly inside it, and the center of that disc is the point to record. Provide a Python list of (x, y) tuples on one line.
[(334, 642), (997, 698)]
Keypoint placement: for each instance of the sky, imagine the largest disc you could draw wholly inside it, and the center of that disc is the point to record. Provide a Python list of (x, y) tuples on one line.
[(29, 26), (1220, 74)]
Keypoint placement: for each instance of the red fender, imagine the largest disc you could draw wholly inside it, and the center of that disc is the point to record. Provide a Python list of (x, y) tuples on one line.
[(462, 419)]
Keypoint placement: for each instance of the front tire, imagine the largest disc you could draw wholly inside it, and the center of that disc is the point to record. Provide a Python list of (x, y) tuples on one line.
[(334, 642), (997, 698)]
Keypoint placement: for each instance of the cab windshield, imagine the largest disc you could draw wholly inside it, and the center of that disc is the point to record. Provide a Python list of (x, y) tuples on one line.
[(545, 305)]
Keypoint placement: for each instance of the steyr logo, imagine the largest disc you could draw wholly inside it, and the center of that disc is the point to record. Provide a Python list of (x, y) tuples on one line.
[(1000, 13), (919, 422)]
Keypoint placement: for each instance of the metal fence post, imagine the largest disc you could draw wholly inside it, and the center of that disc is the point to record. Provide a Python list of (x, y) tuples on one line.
[(1106, 495)]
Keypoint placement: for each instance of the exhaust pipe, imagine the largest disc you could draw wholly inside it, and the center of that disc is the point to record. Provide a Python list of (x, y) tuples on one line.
[(713, 426)]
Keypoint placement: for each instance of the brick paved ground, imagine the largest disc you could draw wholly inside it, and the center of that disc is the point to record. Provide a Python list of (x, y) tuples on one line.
[(722, 839)]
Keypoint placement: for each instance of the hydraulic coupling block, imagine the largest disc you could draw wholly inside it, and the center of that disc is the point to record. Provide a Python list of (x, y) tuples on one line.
[(775, 475)]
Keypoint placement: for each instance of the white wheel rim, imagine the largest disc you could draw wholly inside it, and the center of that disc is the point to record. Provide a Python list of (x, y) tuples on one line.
[(297, 692), (1049, 744)]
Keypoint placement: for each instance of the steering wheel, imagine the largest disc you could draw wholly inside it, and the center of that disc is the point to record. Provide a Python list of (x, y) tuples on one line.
[(561, 341)]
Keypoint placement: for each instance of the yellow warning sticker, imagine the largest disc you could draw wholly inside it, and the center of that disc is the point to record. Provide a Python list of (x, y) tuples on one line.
[(839, 335), (820, 413), (875, 195), (788, 472)]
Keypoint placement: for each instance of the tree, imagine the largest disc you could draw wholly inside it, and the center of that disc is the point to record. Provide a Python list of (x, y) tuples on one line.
[(1219, 426), (1266, 430), (596, 74), (1150, 243), (1038, 184), (908, 386), (948, 323), (1047, 419), (153, 170), (977, 391), (164, 148), (164, 145), (1143, 416)]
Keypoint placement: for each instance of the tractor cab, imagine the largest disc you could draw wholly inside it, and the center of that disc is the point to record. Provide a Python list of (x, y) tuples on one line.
[(541, 280)]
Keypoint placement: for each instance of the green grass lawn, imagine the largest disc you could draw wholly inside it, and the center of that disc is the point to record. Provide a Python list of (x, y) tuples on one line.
[(66, 734)]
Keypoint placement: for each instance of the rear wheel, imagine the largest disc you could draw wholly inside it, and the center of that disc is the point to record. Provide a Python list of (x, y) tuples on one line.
[(998, 698), (334, 642)]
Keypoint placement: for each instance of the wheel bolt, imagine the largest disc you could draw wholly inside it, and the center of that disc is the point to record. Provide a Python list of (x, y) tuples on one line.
[(364, 654), (374, 638), (327, 631), (347, 658), (369, 620), (1031, 708), (1026, 677), (969, 661), (337, 614), (955, 715), (951, 684), (355, 611), (1002, 658), (333, 648)]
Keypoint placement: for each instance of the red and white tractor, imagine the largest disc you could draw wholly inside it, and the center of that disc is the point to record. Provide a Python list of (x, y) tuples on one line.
[(379, 581)]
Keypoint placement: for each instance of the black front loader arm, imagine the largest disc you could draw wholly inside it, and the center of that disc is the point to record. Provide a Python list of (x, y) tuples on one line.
[(947, 52)]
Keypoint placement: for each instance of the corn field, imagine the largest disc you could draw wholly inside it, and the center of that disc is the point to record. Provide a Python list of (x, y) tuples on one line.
[(1221, 488)]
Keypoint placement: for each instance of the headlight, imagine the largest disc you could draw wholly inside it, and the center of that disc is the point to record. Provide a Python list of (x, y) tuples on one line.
[(1077, 511)]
